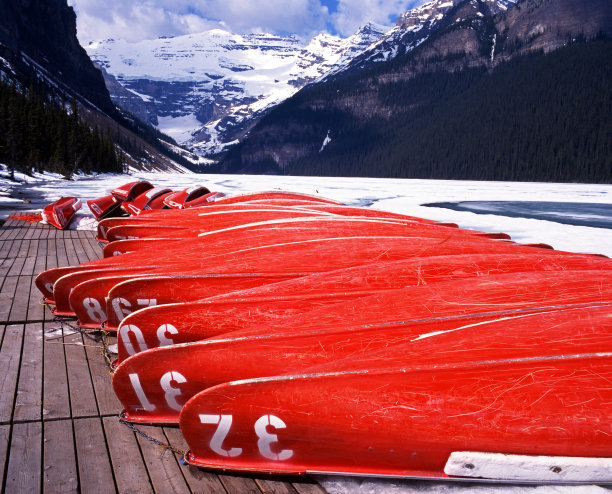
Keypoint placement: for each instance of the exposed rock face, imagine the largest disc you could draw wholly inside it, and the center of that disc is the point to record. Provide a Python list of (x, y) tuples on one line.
[(549, 24), (44, 32)]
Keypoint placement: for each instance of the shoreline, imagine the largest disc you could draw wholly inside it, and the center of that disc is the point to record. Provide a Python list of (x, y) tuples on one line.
[(19, 197)]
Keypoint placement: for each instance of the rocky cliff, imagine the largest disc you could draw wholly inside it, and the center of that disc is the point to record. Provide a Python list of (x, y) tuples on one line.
[(38, 39)]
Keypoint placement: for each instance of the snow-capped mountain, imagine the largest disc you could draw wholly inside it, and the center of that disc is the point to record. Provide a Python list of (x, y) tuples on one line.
[(205, 89), (416, 26)]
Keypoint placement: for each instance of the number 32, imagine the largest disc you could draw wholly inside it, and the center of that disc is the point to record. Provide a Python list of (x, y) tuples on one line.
[(224, 422)]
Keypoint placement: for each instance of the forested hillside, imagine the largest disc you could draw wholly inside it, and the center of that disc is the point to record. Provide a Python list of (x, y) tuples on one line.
[(38, 133), (538, 117)]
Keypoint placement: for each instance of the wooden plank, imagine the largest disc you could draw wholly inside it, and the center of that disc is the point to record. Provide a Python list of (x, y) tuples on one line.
[(28, 266), (36, 311), (18, 230), (198, 479), (52, 261), (60, 248), (164, 470), (24, 465), (28, 405), (307, 485), (5, 435), (274, 486), (108, 404), (41, 257), (92, 249), (79, 249), (10, 357), (7, 295), (13, 230), (71, 253), (128, 466), (19, 310), (5, 265), (33, 245), (238, 483), (82, 396), (95, 472), (59, 458), (56, 400), (16, 267), (18, 249)]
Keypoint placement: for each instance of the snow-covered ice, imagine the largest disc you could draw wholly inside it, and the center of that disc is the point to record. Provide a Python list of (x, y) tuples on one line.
[(406, 196)]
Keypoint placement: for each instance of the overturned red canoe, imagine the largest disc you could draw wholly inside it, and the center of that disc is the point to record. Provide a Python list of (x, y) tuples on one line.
[(181, 199), (142, 381), (105, 207), (282, 231), (150, 199), (131, 190), (437, 420), (325, 287), (59, 213), (325, 252), (503, 294)]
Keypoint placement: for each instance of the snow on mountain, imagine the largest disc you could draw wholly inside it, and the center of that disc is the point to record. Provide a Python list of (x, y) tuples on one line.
[(203, 89), (208, 90), (413, 28)]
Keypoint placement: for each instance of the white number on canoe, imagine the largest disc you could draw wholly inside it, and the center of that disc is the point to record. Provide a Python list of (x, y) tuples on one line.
[(123, 307), (162, 331), (142, 397), (266, 439), (223, 423), (171, 392), (125, 333), (94, 309)]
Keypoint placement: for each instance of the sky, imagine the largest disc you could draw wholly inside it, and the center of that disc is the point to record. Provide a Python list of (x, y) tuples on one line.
[(135, 20)]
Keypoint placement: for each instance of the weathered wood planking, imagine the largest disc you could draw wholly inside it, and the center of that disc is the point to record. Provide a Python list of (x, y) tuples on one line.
[(59, 458), (131, 475), (95, 470), (10, 358), (59, 417), (24, 471), (56, 401), (28, 405)]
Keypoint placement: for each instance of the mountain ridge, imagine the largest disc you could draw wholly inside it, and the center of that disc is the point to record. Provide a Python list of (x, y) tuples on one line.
[(206, 87), (352, 109)]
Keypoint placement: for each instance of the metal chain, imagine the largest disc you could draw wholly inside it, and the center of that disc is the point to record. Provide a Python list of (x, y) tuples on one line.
[(95, 335), (159, 443)]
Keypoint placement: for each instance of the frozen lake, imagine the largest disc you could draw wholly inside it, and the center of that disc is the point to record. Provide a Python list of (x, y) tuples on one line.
[(573, 217)]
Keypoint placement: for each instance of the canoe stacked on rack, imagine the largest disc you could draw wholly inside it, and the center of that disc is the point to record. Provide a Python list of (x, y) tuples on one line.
[(289, 334)]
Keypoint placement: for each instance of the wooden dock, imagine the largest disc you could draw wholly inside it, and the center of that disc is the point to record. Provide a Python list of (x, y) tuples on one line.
[(59, 418)]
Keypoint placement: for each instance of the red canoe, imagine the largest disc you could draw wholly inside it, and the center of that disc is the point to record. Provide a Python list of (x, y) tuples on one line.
[(496, 294), (211, 362), (325, 252), (181, 199), (244, 237), (129, 191), (151, 199), (532, 401), (324, 287), (60, 213), (105, 207)]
